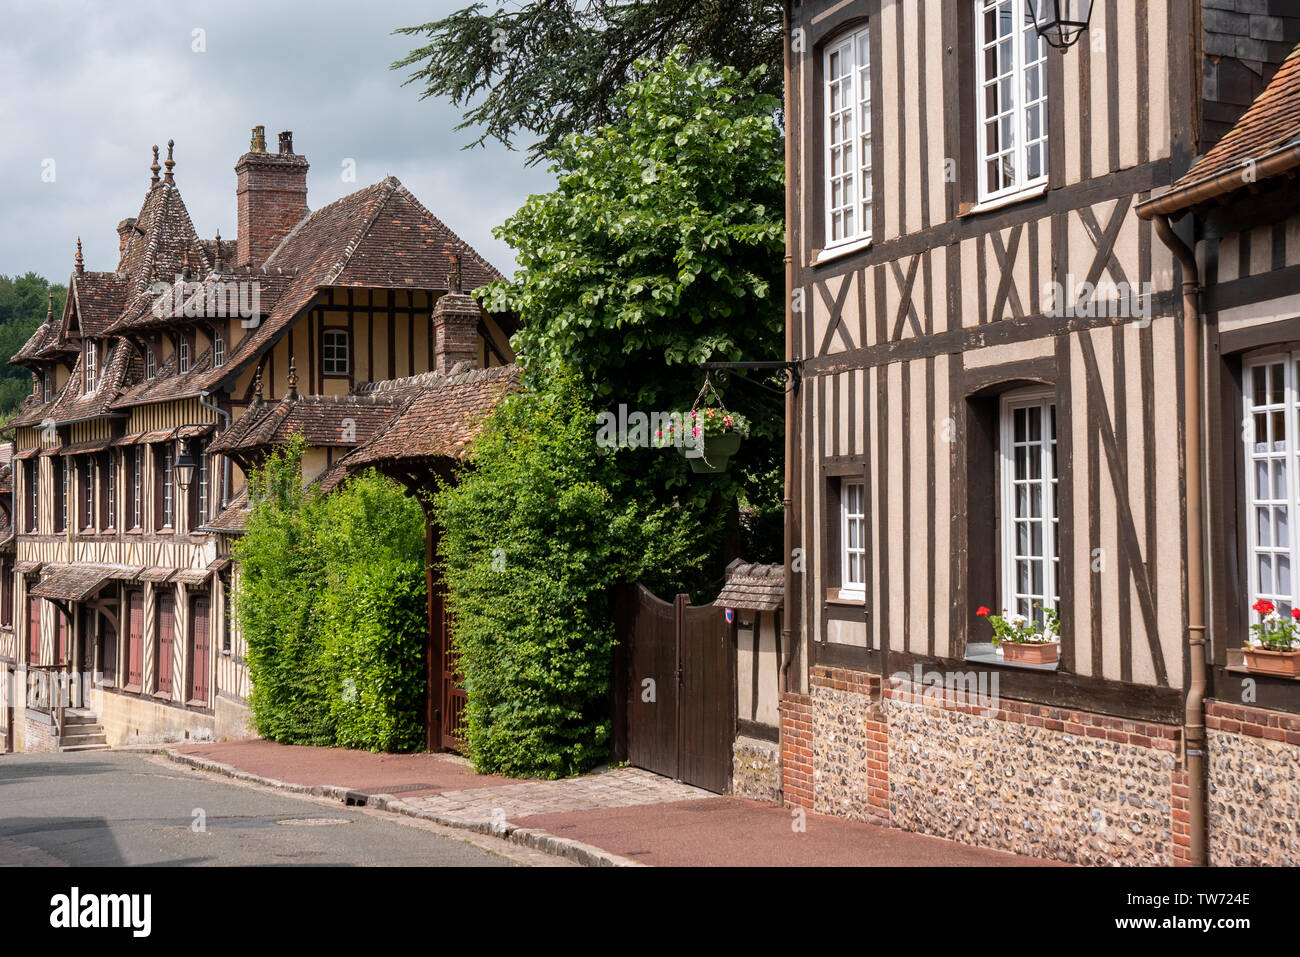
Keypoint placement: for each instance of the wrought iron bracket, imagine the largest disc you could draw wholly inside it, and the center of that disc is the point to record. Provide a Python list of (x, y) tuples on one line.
[(793, 370)]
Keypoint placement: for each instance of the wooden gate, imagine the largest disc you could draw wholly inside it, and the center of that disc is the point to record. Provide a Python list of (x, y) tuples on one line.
[(680, 689)]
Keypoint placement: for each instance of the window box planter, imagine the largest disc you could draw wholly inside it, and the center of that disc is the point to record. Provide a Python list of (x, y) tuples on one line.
[(715, 454), (1265, 662), (1032, 652)]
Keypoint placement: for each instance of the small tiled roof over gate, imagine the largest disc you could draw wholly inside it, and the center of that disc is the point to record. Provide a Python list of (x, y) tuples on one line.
[(753, 587)]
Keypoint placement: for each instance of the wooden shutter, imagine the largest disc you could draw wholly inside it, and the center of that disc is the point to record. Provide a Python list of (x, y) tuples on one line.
[(200, 645), (34, 631), (109, 634), (135, 642), (60, 637), (166, 637)]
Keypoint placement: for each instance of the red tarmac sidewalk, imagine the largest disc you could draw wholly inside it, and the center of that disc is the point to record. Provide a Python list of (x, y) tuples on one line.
[(644, 818)]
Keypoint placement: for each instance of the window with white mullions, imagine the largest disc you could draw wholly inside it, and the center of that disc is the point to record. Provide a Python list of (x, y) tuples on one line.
[(847, 66), (853, 538), (1011, 60), (1030, 505), (1271, 399)]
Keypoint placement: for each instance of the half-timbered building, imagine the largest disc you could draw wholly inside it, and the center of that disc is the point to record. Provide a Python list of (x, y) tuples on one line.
[(166, 379), (1001, 404)]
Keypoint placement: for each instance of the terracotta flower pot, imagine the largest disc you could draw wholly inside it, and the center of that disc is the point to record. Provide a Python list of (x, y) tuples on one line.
[(716, 453), (1273, 662), (1032, 653)]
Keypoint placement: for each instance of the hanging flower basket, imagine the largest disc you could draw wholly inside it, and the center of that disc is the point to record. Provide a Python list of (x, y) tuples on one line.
[(1020, 639), (708, 436), (1273, 647)]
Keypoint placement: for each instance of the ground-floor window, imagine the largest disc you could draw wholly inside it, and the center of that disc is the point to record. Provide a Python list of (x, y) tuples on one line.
[(200, 648), (1030, 521), (1272, 396), (166, 642)]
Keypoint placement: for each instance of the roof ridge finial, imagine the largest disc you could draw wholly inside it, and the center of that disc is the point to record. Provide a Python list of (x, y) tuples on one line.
[(154, 168), (219, 265), (257, 390), (81, 263), (49, 312), (170, 163), (293, 379), (185, 265)]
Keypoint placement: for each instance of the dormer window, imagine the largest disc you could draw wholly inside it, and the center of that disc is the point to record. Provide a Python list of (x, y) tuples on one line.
[(150, 363), (183, 352), (218, 350), (91, 363), (47, 386)]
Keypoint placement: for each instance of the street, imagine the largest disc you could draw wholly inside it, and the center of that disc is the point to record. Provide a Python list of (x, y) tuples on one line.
[(132, 808)]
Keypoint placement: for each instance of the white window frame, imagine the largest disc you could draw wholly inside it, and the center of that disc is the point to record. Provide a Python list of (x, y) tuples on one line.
[(183, 355), (218, 350), (1257, 453), (137, 489), (336, 348), (203, 488), (850, 587), (168, 486), (1018, 109), (47, 380), (1048, 481), (90, 366), (856, 86), (110, 506), (150, 363)]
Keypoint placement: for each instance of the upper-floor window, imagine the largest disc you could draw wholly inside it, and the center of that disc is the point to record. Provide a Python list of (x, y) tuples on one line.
[(107, 490), (86, 476), (1030, 524), (847, 69), (1011, 93), (218, 350), (135, 499), (33, 477), (183, 355), (163, 459), (62, 485), (47, 385), (334, 352), (150, 363), (853, 540), (91, 369)]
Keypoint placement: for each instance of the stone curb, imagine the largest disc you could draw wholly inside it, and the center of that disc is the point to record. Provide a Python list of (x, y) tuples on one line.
[(538, 840)]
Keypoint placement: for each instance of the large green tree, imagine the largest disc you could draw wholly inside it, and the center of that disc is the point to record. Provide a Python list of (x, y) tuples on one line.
[(660, 249), (548, 68), (24, 301)]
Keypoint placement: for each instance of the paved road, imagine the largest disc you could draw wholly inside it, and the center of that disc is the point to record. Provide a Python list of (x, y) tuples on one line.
[(113, 808)]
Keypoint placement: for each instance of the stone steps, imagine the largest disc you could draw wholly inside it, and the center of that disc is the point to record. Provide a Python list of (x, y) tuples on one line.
[(82, 732)]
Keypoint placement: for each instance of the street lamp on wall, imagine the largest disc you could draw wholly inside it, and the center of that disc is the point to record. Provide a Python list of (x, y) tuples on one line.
[(184, 466), (1061, 22)]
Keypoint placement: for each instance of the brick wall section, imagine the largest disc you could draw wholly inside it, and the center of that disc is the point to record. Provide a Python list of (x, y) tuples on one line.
[(1253, 762), (38, 737), (851, 745), (796, 750), (455, 324)]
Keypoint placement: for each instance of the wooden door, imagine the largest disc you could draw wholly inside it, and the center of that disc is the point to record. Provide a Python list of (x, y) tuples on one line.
[(708, 695), (134, 665), (166, 640), (454, 698), (652, 685), (200, 645)]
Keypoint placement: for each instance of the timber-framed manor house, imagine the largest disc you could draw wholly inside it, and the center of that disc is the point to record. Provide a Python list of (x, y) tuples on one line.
[(1047, 309), (168, 377)]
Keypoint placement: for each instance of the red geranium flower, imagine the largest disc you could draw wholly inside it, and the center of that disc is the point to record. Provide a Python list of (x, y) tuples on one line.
[(983, 611), (1295, 612), (1263, 607)]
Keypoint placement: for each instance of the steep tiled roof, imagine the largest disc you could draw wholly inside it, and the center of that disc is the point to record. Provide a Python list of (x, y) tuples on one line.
[(1272, 123), (100, 298), (167, 382), (233, 519), (379, 236), (441, 418), (73, 403), (337, 421), (755, 587)]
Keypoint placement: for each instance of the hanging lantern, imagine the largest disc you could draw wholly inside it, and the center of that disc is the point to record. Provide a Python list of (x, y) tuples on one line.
[(1060, 22)]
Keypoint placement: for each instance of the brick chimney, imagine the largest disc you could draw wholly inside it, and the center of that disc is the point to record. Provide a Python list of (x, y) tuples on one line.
[(124, 230), (271, 194), (455, 327)]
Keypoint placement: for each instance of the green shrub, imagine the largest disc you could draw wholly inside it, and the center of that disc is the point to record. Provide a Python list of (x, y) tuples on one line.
[(331, 603), (533, 538)]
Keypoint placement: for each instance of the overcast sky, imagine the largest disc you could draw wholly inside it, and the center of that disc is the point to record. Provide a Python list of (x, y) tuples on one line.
[(91, 86)]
